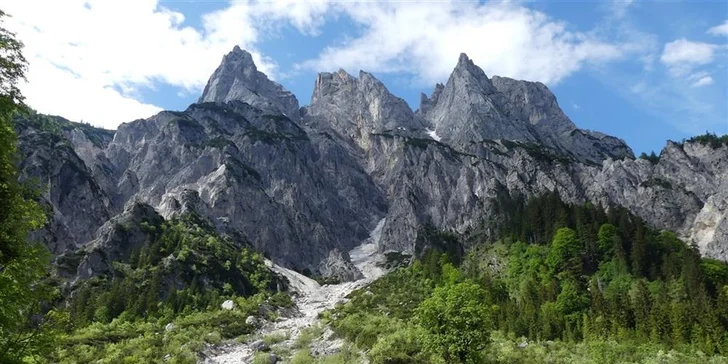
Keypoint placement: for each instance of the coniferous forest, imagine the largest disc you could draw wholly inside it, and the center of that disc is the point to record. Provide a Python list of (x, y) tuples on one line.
[(565, 283)]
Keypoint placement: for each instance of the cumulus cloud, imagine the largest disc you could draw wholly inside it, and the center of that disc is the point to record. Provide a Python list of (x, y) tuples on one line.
[(504, 39), (681, 55), (80, 99), (719, 29), (88, 59)]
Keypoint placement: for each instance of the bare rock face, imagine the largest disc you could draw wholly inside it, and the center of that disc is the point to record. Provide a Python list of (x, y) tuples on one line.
[(238, 79), (304, 190), (468, 109), (353, 108), (293, 195), (426, 103), (471, 108), (339, 266), (116, 240), (77, 204), (533, 103)]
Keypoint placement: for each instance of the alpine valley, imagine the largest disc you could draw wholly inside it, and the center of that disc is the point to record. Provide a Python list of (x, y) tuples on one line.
[(247, 198)]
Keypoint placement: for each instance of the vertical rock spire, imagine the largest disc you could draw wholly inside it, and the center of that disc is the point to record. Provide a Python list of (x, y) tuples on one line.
[(238, 78)]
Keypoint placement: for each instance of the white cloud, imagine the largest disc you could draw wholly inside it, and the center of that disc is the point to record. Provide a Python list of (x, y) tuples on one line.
[(685, 51), (699, 79), (703, 81), (79, 99), (719, 29), (682, 55), (82, 52), (81, 55), (502, 38), (127, 45)]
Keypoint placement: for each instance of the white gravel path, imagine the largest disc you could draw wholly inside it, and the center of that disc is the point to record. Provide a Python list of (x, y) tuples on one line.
[(311, 300)]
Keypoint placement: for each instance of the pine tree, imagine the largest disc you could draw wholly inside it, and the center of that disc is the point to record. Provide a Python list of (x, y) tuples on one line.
[(641, 306)]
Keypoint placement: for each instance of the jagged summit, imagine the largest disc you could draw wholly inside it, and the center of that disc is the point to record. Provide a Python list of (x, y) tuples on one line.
[(302, 188), (238, 78), (426, 103), (354, 107), (468, 74), (471, 108)]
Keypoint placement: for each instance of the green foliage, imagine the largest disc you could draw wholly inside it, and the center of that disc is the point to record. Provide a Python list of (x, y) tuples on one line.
[(302, 357), (307, 336), (395, 260), (603, 288), (505, 349), (26, 329), (147, 341), (281, 299), (275, 338), (652, 157), (180, 276), (12, 69), (564, 255), (55, 126), (185, 266), (403, 346), (710, 139), (456, 318)]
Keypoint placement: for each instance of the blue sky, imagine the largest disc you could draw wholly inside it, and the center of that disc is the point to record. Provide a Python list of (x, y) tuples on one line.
[(643, 71)]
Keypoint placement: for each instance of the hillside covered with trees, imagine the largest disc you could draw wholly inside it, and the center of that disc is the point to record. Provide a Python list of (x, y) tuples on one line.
[(564, 284)]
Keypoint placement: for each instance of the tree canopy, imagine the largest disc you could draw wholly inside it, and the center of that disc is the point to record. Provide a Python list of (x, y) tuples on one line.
[(23, 264)]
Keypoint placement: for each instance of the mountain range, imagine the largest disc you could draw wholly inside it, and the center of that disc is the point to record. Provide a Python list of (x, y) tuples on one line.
[(307, 184)]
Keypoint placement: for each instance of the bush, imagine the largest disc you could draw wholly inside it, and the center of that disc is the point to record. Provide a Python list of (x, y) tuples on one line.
[(403, 346), (281, 299)]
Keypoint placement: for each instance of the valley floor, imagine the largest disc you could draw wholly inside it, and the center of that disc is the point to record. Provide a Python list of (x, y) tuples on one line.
[(311, 300)]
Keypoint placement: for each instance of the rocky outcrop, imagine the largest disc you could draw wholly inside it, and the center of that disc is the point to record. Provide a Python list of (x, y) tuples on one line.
[(303, 190), (471, 108), (238, 79), (533, 103), (426, 103), (294, 195), (353, 108), (468, 109), (76, 203), (339, 266), (117, 239)]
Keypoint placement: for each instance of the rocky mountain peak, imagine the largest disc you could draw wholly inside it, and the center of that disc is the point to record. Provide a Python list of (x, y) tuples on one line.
[(306, 191), (426, 103), (328, 83), (355, 107), (472, 108), (533, 102), (238, 78), (467, 73)]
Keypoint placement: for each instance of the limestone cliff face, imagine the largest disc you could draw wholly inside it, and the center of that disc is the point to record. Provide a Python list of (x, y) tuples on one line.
[(238, 79), (50, 162), (307, 189), (471, 108), (351, 109)]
